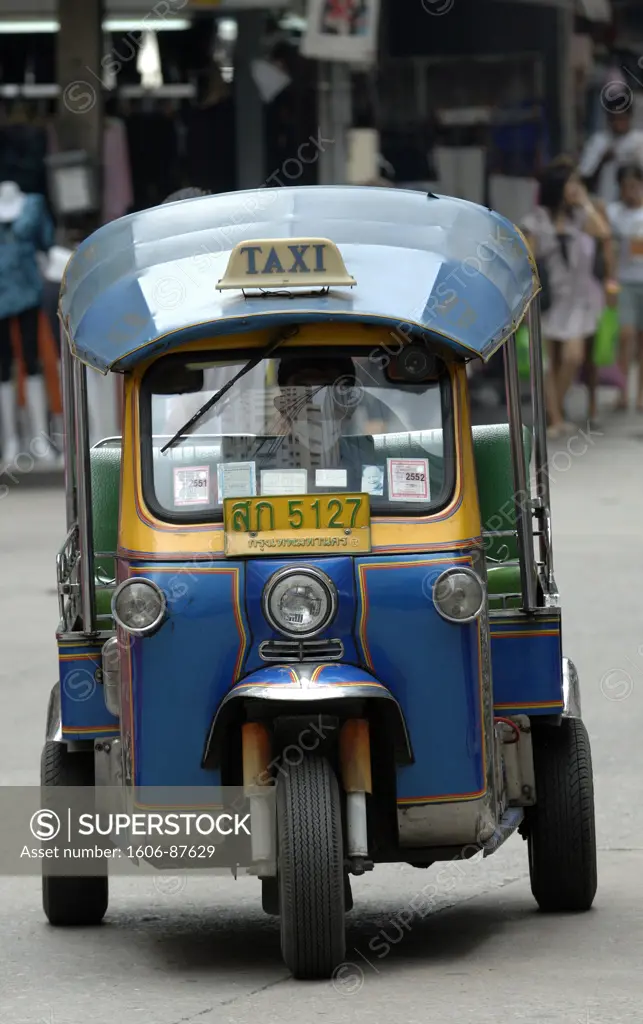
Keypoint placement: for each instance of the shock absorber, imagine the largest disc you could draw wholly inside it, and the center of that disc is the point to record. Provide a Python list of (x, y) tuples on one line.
[(355, 760)]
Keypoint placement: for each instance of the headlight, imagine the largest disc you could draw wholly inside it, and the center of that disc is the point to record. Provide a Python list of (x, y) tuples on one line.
[(458, 595), (138, 606), (299, 602)]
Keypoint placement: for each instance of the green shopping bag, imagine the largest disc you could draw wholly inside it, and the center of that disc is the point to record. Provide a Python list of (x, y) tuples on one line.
[(522, 351), (606, 338)]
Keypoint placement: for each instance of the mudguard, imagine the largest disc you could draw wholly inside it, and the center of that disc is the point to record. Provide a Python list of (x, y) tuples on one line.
[(309, 684)]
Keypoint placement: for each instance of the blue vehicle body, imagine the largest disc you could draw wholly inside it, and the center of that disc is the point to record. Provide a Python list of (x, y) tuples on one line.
[(392, 637), (461, 275)]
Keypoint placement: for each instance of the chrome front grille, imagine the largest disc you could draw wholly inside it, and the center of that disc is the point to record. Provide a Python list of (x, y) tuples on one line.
[(301, 650)]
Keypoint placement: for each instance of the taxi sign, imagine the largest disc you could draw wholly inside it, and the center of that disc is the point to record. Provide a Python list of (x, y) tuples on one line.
[(286, 263)]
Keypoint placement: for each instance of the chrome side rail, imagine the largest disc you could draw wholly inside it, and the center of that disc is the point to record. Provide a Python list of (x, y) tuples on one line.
[(67, 580), (524, 520), (85, 523)]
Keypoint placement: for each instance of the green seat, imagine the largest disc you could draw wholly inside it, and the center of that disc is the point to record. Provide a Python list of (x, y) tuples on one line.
[(492, 451), (105, 479), (503, 579)]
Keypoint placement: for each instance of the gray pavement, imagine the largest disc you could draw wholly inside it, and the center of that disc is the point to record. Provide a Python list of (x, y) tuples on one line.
[(208, 954)]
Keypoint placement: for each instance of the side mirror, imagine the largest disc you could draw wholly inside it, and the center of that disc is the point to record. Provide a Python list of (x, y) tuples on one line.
[(176, 380)]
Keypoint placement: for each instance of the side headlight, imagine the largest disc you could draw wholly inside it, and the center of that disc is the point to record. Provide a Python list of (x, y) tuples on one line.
[(458, 595), (299, 602), (139, 606)]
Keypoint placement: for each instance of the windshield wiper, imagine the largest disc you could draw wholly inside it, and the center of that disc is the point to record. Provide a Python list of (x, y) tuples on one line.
[(188, 427)]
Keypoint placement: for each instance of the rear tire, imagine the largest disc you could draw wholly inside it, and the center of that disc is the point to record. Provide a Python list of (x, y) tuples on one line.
[(561, 828), (311, 869), (70, 900)]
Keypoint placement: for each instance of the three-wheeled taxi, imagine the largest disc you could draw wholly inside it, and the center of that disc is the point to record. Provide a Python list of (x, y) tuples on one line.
[(300, 568)]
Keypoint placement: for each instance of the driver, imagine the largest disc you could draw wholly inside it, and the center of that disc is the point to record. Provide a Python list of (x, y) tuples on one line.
[(316, 397)]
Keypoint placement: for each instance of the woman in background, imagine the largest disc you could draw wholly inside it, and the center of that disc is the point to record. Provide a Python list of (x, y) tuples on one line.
[(626, 218), (563, 232)]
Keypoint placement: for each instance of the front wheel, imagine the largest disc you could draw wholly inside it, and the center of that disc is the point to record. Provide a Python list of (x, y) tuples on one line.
[(311, 869), (68, 899), (561, 830)]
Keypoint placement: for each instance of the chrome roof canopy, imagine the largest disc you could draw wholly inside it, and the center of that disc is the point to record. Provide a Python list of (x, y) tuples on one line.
[(455, 271)]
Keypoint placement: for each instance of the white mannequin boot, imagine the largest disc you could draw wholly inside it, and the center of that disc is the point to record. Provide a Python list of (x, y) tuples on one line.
[(10, 441), (39, 444)]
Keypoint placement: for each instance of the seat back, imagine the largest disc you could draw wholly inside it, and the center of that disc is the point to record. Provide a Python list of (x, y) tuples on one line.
[(494, 469), (105, 479)]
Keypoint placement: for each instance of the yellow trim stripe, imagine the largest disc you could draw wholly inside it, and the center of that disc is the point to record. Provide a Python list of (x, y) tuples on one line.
[(525, 632), (447, 798), (79, 657), (83, 729), (530, 704)]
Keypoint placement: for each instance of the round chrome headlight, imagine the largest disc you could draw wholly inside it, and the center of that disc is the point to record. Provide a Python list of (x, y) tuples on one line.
[(458, 595), (299, 602), (139, 606)]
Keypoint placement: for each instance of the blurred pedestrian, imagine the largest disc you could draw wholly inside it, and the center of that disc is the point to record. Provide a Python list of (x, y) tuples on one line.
[(626, 219), (606, 151), (563, 232)]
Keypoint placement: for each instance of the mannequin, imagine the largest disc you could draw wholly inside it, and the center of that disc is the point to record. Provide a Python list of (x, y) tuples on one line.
[(25, 230)]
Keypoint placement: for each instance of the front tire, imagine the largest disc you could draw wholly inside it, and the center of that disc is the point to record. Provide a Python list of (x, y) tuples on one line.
[(311, 869), (561, 828), (70, 900)]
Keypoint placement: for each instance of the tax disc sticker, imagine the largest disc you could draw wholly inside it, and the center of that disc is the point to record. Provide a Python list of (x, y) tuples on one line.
[(408, 479), (236, 480), (284, 481), (191, 485), (331, 478)]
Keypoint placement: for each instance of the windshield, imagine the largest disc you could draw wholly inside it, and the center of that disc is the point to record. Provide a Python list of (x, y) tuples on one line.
[(300, 422)]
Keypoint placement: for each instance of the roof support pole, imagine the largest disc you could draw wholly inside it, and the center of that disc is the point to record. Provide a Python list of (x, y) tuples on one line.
[(249, 115), (543, 501), (522, 487), (79, 75), (85, 518), (335, 118)]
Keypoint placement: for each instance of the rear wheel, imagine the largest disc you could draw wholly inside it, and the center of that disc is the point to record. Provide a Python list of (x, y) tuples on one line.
[(311, 869), (71, 900), (561, 829)]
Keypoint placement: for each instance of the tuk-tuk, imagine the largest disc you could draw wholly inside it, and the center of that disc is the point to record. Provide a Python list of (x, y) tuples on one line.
[(300, 570)]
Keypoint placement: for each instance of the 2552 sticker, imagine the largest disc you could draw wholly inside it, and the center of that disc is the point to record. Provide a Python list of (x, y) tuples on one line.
[(408, 480)]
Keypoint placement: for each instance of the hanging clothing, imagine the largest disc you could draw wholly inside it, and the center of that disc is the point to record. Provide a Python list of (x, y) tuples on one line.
[(20, 276), (152, 143), (211, 146), (118, 192), (23, 148), (28, 322)]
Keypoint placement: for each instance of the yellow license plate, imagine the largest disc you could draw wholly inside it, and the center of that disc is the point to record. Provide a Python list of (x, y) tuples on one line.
[(330, 524)]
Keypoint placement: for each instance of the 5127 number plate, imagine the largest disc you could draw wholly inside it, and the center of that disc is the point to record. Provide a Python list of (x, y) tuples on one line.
[(297, 524)]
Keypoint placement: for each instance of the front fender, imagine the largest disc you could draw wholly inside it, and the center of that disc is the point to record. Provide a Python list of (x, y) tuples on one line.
[(308, 685)]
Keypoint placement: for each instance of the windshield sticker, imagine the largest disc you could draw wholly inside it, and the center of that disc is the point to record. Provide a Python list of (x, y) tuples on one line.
[(408, 479), (331, 478), (284, 481), (373, 480), (236, 480), (191, 485)]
